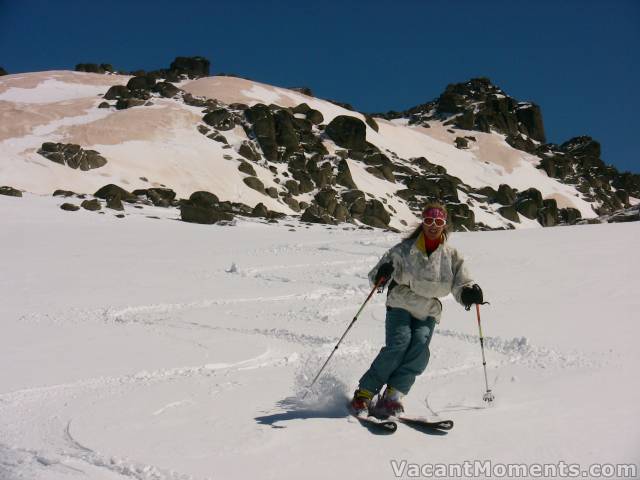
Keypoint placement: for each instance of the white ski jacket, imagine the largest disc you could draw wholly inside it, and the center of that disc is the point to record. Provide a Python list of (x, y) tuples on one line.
[(422, 279)]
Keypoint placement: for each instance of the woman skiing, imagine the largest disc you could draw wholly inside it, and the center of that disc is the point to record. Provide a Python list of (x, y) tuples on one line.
[(418, 270)]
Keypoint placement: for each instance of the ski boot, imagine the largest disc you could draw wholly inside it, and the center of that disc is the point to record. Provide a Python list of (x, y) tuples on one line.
[(361, 402), (390, 404)]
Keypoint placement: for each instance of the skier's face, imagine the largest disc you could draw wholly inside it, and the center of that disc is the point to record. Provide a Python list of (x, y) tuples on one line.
[(433, 223), (433, 231)]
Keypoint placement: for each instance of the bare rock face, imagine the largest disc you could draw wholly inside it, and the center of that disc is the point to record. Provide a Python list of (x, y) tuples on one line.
[(72, 156)]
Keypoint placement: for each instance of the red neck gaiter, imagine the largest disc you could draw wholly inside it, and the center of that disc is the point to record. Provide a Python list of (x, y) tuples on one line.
[(431, 245)]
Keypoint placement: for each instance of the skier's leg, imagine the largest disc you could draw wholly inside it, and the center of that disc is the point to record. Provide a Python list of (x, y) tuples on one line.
[(416, 357), (397, 340)]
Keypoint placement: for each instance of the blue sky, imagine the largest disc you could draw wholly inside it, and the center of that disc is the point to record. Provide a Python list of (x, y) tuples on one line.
[(577, 59)]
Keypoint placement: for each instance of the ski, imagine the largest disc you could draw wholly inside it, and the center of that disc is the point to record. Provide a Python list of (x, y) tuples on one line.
[(384, 426), (426, 423), (373, 423)]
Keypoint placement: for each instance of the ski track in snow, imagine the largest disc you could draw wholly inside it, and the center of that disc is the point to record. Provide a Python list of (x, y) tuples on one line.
[(144, 377), (75, 459)]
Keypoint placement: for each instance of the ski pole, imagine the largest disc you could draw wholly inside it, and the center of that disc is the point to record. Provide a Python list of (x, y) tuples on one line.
[(488, 396), (378, 285)]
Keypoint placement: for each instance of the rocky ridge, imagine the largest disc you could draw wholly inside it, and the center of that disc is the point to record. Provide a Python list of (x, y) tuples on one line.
[(309, 158), (479, 105)]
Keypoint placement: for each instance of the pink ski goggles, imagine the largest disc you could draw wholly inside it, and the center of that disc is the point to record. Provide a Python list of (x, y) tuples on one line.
[(434, 216)]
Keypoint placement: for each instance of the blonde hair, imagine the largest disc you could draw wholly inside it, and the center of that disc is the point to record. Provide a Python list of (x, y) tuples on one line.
[(418, 229)]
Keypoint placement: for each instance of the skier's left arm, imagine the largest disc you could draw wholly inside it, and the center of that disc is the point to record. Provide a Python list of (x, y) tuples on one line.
[(464, 289)]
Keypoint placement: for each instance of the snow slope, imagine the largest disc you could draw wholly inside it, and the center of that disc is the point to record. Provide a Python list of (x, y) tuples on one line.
[(155, 349), (159, 145)]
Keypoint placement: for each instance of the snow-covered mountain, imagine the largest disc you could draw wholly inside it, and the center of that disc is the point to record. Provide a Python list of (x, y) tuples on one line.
[(250, 143)]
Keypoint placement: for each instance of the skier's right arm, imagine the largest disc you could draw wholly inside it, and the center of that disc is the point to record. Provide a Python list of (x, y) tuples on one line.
[(389, 265)]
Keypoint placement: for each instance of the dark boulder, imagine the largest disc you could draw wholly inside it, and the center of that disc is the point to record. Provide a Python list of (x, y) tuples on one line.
[(347, 132), (260, 211), (69, 207), (91, 205), (244, 167), (314, 214), (116, 92), (264, 129), (72, 155), (248, 151), (315, 116), (285, 131), (341, 213), (304, 90), (3, 72), (302, 127), (114, 191), (371, 122), (291, 202), (461, 217), (10, 191), (303, 108), (94, 67), (141, 83), (124, 103), (548, 215), (254, 183), (519, 142), (375, 214), (322, 176), (220, 118), (305, 184), (569, 215), (63, 193), (351, 196), (272, 192), (505, 195), (195, 214), (193, 67), (166, 89), (344, 175), (218, 137), (530, 118), (326, 198), (204, 199), (510, 213), (528, 207), (204, 207), (160, 197), (292, 186), (115, 203), (461, 143), (488, 192)]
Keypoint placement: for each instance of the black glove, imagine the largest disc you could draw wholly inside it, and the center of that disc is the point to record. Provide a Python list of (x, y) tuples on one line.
[(384, 272), (471, 295)]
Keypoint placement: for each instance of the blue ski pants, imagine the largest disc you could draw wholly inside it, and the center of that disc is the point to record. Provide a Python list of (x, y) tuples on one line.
[(405, 354)]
